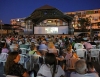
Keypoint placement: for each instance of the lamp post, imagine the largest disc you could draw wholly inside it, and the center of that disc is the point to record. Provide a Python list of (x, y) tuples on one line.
[(90, 18), (1, 26), (29, 21)]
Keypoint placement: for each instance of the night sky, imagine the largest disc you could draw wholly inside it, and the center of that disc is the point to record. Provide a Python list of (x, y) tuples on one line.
[(11, 9)]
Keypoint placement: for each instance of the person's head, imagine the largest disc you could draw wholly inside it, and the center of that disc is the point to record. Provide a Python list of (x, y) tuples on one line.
[(43, 42), (69, 48), (90, 66), (50, 59), (12, 58), (51, 45), (80, 66), (2, 44), (33, 47)]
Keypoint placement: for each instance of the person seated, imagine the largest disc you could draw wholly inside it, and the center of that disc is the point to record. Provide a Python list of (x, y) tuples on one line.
[(71, 57), (50, 68), (90, 68), (28, 42), (4, 48), (81, 70), (70, 53), (14, 46), (34, 58), (92, 42), (51, 48), (87, 45), (78, 45), (23, 45), (12, 67), (34, 50), (43, 46)]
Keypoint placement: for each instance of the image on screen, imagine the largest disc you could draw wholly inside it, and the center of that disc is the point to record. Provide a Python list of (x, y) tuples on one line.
[(53, 30)]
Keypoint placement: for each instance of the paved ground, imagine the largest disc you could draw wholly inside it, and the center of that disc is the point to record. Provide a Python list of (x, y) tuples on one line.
[(97, 67), (1, 70)]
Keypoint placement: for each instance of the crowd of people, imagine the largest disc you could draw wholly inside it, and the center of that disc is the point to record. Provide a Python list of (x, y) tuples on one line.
[(55, 51)]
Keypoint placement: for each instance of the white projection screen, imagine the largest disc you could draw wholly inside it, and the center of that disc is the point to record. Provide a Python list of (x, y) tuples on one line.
[(51, 30)]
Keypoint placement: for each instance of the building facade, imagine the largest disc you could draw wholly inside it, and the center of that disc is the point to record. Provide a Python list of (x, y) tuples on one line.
[(28, 23), (94, 14)]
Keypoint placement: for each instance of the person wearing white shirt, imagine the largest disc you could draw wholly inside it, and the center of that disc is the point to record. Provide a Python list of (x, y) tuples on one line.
[(78, 45), (50, 69)]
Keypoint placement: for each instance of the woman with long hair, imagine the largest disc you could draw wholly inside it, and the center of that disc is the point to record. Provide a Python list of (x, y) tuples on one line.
[(50, 68), (13, 68)]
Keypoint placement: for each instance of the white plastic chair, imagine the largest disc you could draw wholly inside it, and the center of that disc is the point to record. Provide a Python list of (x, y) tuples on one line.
[(94, 53), (23, 60), (98, 46), (82, 53), (23, 50), (11, 76), (34, 59), (3, 58), (93, 46), (13, 47)]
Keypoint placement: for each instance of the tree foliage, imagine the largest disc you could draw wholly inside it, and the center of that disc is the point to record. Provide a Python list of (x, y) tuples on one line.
[(84, 22)]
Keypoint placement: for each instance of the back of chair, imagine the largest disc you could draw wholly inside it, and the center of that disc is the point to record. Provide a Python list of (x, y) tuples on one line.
[(93, 46), (22, 59), (24, 46), (11, 76), (23, 50), (3, 57), (94, 52), (82, 53), (34, 59)]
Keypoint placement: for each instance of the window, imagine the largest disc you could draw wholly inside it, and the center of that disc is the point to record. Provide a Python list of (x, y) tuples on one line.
[(96, 18), (96, 11)]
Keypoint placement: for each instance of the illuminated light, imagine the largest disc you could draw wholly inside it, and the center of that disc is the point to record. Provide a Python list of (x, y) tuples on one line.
[(17, 19), (49, 21)]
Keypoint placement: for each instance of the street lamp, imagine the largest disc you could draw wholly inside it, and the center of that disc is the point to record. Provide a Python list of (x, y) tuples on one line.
[(90, 18), (1, 26)]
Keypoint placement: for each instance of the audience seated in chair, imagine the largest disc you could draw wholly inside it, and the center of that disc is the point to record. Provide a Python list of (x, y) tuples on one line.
[(12, 67), (81, 70), (52, 48), (91, 68), (34, 50), (50, 68)]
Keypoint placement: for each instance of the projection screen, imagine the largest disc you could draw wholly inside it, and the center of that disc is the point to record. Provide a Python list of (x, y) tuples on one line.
[(51, 30)]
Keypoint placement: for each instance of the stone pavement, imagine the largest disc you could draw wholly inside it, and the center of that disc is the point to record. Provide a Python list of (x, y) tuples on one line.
[(1, 70)]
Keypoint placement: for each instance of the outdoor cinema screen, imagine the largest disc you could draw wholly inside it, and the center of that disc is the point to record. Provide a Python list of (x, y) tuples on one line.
[(51, 30)]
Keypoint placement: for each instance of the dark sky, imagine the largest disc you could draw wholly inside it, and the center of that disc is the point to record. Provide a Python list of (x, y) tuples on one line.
[(11, 9)]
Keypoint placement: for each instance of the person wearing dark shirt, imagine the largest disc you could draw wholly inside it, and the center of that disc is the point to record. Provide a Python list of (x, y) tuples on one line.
[(13, 68)]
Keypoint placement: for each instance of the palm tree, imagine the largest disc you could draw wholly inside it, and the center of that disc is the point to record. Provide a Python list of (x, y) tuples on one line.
[(84, 22)]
